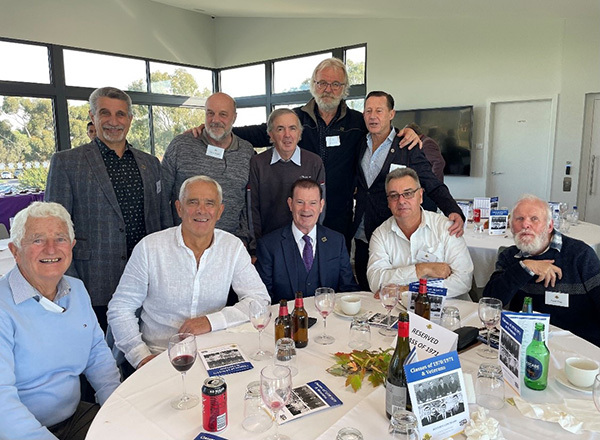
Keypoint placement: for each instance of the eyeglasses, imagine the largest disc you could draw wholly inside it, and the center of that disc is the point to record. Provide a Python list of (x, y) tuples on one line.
[(335, 86), (394, 197)]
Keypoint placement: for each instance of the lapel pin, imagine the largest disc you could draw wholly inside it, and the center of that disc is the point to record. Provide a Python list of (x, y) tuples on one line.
[(392, 150), (324, 239)]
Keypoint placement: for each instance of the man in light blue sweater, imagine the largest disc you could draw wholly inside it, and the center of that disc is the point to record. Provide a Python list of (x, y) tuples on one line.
[(49, 334)]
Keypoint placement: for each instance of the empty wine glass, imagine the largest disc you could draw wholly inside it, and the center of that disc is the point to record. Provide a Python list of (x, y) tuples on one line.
[(182, 353), (259, 312), (403, 425), (324, 303), (489, 314), (596, 391), (276, 389), (388, 295), (450, 318)]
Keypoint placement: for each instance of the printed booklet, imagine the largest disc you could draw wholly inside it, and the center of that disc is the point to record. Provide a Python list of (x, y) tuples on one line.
[(307, 399), (224, 359)]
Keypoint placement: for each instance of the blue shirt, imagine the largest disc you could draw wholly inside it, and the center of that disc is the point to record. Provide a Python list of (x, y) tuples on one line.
[(42, 354)]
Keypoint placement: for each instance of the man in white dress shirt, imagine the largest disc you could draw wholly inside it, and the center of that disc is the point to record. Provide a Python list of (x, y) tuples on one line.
[(414, 243), (180, 278)]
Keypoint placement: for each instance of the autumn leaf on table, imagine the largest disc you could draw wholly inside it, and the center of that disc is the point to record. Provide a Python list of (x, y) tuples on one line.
[(360, 363)]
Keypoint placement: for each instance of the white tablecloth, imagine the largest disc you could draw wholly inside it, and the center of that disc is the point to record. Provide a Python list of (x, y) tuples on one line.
[(484, 247), (139, 408)]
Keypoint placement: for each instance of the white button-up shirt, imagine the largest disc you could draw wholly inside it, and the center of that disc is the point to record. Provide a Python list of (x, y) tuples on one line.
[(393, 257), (162, 278)]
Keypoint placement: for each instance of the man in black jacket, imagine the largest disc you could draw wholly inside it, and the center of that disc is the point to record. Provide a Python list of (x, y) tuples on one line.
[(379, 153)]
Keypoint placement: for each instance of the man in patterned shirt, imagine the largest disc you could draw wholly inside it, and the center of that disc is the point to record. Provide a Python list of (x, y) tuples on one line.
[(112, 192)]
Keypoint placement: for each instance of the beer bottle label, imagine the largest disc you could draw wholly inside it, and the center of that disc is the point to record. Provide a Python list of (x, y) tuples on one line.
[(395, 397), (533, 368)]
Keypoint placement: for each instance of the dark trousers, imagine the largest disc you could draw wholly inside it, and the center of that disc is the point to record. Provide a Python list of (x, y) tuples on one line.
[(76, 426), (361, 259)]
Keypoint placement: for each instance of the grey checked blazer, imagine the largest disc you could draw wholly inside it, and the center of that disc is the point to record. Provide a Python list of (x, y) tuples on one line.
[(78, 180)]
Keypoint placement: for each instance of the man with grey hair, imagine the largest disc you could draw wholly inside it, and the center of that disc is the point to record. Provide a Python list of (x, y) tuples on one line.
[(49, 334), (112, 192), (273, 172), (560, 274), (334, 131), (181, 277), (415, 243), (217, 153)]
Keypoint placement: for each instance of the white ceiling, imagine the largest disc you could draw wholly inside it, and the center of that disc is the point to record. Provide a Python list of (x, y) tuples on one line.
[(390, 8)]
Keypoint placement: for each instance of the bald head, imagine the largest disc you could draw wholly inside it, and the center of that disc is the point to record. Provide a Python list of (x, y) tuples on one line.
[(220, 116)]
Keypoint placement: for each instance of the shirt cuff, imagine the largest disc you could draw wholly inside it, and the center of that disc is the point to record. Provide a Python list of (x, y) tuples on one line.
[(217, 321), (528, 270)]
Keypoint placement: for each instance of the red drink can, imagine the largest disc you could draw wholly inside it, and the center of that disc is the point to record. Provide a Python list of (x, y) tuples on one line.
[(476, 215), (214, 404)]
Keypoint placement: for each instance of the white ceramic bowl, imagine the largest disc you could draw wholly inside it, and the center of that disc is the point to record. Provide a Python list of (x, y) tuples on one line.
[(350, 304), (581, 372)]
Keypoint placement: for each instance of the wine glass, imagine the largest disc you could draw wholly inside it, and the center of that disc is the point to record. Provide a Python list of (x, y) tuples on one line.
[(596, 391), (489, 314), (276, 389), (182, 353), (388, 295), (259, 312), (324, 303)]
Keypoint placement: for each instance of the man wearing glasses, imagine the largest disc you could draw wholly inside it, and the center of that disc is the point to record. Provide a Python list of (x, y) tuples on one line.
[(379, 154), (414, 243)]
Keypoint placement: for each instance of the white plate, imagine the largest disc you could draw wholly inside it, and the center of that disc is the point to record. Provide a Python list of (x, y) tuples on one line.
[(561, 378), (337, 309)]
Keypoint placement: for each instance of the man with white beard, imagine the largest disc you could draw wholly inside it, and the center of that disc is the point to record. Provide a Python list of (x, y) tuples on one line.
[(216, 153), (560, 274)]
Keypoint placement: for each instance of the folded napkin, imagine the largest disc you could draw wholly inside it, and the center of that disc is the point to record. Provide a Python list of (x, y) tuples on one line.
[(482, 427), (573, 415)]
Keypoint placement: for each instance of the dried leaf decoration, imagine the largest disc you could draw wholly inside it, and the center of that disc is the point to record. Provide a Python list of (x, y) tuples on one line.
[(360, 363)]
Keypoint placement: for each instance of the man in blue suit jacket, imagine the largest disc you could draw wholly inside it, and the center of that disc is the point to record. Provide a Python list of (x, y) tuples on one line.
[(304, 255)]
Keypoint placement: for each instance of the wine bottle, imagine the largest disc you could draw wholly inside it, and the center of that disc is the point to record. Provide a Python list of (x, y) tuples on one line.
[(396, 391), (536, 360), (527, 305), (299, 322), (422, 306), (283, 323)]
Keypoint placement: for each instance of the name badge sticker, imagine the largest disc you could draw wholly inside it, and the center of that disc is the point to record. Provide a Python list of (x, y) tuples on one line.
[(333, 141), (426, 257), (216, 152), (557, 299), (395, 166)]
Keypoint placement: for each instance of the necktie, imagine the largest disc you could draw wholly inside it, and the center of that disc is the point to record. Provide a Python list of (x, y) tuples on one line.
[(307, 253)]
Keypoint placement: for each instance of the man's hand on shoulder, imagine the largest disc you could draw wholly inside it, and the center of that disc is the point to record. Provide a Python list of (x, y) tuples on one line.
[(457, 226), (433, 270), (411, 139), (196, 326), (146, 360), (545, 270), (196, 131)]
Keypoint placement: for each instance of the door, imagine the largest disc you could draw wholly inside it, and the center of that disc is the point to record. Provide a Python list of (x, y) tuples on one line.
[(590, 162), (521, 147)]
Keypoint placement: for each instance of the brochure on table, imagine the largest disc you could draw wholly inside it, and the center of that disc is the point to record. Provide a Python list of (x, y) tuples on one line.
[(437, 296), (485, 204), (307, 399), (207, 436), (516, 333), (438, 395), (224, 359), (498, 221), (429, 338)]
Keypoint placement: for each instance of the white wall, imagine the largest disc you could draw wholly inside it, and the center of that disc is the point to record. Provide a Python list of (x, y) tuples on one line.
[(434, 62), (131, 27)]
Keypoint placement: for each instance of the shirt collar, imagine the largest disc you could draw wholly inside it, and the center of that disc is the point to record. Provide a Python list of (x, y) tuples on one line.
[(386, 143), (299, 234), (555, 243), (22, 290), (105, 149), (295, 157), (396, 229)]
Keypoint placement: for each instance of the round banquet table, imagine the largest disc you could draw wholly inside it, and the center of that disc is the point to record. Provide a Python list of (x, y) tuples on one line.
[(484, 247), (140, 408)]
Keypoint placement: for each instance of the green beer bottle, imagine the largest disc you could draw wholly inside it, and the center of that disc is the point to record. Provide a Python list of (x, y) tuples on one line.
[(536, 360)]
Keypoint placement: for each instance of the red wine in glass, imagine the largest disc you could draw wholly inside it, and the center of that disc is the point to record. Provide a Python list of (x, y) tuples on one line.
[(183, 363)]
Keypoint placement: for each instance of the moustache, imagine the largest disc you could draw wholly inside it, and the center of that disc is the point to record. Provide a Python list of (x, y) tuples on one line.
[(216, 125), (113, 127)]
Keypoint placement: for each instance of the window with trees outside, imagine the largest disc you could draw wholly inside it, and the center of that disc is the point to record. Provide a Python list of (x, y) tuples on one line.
[(44, 107)]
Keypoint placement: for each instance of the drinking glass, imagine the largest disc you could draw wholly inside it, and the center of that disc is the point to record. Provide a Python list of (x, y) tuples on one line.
[(388, 295), (259, 312), (403, 425), (182, 353), (450, 318), (324, 303), (349, 433), (360, 333), (256, 416), (596, 391), (490, 386), (276, 389), (489, 314), (285, 354)]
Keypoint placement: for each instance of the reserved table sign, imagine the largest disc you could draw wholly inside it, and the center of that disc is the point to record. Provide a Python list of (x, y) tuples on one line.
[(429, 338), (438, 395)]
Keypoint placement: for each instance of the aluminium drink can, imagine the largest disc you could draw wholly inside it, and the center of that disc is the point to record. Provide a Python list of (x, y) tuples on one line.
[(214, 404)]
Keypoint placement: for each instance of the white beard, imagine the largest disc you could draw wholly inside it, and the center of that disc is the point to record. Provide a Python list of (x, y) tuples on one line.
[(534, 247)]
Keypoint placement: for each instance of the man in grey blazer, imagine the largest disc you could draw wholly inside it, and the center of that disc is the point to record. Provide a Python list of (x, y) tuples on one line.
[(112, 192)]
